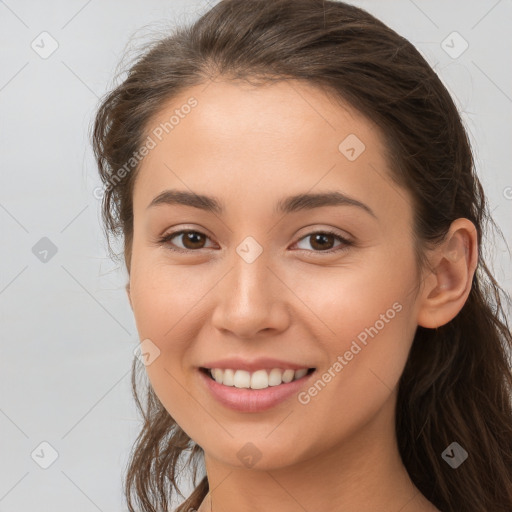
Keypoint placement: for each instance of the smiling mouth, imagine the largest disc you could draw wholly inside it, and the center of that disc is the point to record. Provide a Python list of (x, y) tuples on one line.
[(259, 379)]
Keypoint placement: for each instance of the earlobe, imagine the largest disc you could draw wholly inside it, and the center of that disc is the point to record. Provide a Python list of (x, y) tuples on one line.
[(448, 285)]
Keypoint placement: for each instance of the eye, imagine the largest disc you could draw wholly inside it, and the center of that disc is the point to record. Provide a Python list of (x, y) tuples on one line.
[(323, 240), (193, 239)]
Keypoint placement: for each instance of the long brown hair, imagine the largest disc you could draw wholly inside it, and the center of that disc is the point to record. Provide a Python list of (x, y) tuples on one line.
[(457, 383)]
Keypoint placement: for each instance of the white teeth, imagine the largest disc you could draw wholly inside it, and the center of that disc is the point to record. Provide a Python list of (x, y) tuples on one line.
[(228, 378), (288, 375), (241, 379), (274, 377), (300, 373), (217, 374), (260, 379)]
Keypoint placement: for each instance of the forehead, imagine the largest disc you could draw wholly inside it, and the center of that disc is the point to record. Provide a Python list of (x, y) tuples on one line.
[(285, 111), (260, 141)]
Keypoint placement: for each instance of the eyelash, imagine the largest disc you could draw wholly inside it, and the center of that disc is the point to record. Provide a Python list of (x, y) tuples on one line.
[(346, 243)]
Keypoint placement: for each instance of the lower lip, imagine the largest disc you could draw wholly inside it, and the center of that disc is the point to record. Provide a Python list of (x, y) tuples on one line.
[(253, 400)]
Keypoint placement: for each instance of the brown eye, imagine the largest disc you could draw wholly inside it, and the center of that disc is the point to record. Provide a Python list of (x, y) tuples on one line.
[(323, 241), (191, 240)]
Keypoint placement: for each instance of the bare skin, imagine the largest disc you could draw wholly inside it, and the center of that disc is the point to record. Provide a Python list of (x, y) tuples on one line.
[(249, 147)]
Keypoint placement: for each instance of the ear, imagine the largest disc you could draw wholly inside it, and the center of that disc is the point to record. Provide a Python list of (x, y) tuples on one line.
[(128, 293), (448, 282)]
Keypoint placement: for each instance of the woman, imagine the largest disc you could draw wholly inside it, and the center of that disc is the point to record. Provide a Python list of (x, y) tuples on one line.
[(302, 229)]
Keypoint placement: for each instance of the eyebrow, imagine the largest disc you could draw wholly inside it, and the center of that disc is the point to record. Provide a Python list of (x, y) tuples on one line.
[(291, 204)]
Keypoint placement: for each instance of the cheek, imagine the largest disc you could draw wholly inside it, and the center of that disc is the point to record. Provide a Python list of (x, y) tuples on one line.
[(162, 297), (352, 301), (167, 302), (163, 300), (365, 326), (365, 363)]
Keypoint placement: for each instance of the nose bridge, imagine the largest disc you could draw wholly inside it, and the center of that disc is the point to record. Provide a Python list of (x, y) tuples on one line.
[(248, 299), (249, 283)]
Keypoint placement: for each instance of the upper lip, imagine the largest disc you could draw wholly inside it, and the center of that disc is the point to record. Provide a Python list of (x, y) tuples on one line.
[(255, 364)]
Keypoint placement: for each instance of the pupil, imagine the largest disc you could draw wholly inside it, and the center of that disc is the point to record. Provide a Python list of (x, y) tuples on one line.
[(191, 236), (320, 237)]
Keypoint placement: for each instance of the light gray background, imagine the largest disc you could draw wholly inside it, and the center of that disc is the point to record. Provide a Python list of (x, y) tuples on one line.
[(67, 329)]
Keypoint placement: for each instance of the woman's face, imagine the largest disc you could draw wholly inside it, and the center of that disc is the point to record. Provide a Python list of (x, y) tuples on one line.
[(261, 279)]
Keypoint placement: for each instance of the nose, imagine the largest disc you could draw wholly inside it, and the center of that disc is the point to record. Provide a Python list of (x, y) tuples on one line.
[(251, 299)]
